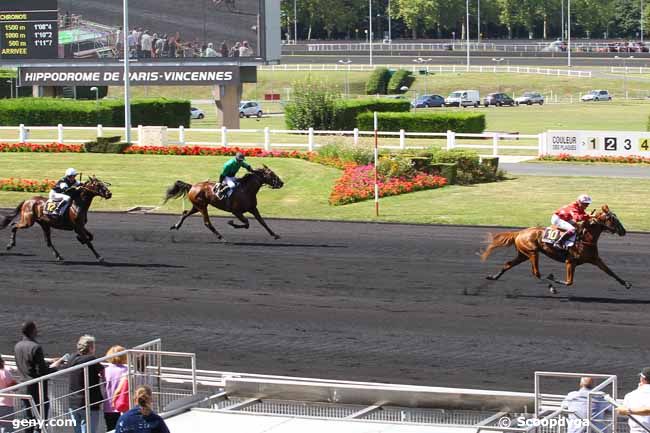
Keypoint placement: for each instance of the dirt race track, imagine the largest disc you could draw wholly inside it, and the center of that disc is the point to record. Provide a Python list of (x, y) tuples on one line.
[(376, 302)]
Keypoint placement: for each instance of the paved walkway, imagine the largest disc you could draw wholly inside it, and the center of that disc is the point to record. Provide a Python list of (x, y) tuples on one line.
[(564, 169)]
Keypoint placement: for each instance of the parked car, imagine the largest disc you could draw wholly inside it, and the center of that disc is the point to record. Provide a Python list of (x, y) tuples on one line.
[(555, 47), (463, 98), (426, 101), (498, 99), (196, 113), (596, 95), (530, 98), (250, 108)]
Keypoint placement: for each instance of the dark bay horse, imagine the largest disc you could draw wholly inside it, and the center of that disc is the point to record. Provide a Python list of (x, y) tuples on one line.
[(33, 211), (243, 199), (528, 243)]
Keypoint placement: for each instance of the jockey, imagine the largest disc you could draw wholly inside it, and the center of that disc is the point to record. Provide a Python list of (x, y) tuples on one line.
[(566, 217), (59, 192), (230, 169)]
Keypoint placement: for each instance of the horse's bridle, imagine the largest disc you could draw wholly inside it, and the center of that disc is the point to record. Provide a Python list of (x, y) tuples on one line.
[(275, 182)]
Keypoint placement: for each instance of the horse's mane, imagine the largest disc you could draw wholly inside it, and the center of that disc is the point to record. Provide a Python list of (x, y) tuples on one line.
[(248, 176)]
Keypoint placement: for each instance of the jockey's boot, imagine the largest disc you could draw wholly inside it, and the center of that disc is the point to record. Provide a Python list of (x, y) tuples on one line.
[(560, 242), (61, 208)]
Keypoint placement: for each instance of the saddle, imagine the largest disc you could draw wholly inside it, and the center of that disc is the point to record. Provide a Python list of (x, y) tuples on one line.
[(222, 190), (553, 233), (53, 208)]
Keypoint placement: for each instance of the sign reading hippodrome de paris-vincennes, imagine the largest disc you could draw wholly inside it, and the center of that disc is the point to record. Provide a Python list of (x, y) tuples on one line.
[(598, 143), (139, 75)]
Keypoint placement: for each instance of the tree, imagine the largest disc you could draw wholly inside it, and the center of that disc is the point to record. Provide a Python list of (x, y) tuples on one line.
[(415, 13)]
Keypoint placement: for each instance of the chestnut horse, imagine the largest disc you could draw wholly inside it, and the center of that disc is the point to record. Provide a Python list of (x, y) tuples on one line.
[(243, 199), (528, 243), (32, 211)]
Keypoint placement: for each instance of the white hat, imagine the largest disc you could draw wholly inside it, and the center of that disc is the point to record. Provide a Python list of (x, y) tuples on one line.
[(584, 199), (71, 172)]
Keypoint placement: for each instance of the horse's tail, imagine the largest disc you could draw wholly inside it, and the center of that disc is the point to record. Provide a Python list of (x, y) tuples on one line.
[(177, 190), (4, 222), (499, 240)]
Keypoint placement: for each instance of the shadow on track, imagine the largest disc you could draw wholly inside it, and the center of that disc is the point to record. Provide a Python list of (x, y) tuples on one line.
[(16, 255), (584, 299), (114, 264), (284, 245)]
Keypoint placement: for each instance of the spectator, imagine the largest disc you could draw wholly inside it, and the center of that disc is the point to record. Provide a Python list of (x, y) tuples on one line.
[(210, 52), (160, 46), (132, 41), (146, 43), (245, 50), (577, 403), (138, 43), (224, 49), (114, 373), (141, 419), (6, 403), (234, 52), (154, 44), (637, 403), (77, 398), (31, 365)]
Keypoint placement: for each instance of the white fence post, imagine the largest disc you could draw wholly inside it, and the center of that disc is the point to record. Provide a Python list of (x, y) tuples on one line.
[(310, 140), (181, 135), (495, 144), (224, 136), (541, 144), (451, 140), (402, 139), (100, 130), (355, 134), (59, 130), (140, 141), (22, 134), (267, 138)]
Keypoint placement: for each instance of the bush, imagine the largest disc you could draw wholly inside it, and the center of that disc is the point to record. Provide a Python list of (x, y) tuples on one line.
[(395, 167), (106, 145), (312, 106), (378, 82), (447, 170), (348, 153), (424, 122), (52, 111), (346, 111), (398, 80)]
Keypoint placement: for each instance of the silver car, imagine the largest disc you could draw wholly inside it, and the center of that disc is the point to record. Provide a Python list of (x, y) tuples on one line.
[(250, 108), (530, 98), (596, 95)]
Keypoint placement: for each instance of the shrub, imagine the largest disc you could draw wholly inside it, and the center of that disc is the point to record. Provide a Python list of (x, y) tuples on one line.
[(171, 113), (106, 145), (447, 170), (425, 122), (398, 80), (346, 111), (395, 167), (312, 106), (378, 82), (359, 155)]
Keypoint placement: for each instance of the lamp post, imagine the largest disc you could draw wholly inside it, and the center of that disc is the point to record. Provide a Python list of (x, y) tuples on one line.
[(390, 34), (478, 21), (642, 18), (568, 33), (11, 88), (127, 82), (421, 61), (498, 62), (624, 72), (370, 28), (347, 81), (415, 101), (96, 90), (295, 22), (467, 30)]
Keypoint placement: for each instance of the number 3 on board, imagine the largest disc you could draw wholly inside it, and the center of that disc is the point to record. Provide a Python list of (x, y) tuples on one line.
[(644, 144)]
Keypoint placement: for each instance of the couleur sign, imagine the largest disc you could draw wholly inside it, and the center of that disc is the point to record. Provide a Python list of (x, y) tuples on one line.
[(598, 143)]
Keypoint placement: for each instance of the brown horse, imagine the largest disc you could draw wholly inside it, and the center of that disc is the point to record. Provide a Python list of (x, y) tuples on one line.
[(243, 199), (528, 243), (33, 211)]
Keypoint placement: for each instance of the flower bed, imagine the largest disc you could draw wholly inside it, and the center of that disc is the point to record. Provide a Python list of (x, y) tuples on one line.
[(358, 184), (587, 158), (45, 148), (26, 185)]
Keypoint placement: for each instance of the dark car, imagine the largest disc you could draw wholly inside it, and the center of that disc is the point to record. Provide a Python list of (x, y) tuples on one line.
[(498, 99), (426, 101)]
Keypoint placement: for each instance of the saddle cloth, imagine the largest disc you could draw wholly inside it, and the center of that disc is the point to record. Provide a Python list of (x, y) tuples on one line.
[(51, 208), (552, 234)]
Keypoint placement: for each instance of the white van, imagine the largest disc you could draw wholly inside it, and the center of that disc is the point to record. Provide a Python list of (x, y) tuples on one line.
[(463, 98)]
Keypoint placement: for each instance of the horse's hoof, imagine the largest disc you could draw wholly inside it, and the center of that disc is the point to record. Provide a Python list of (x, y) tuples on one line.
[(550, 277), (552, 289), (276, 236), (100, 259), (173, 227), (59, 258), (231, 223), (628, 285), (490, 277), (10, 246)]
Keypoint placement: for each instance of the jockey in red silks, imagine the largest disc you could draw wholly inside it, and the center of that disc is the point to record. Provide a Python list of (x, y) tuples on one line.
[(566, 217)]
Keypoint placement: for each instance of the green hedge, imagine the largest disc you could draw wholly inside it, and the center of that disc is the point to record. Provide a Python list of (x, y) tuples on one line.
[(377, 83), (346, 111), (398, 80), (424, 122), (52, 111), (106, 145)]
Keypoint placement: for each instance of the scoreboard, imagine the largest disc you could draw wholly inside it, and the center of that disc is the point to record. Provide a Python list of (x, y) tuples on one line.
[(29, 29)]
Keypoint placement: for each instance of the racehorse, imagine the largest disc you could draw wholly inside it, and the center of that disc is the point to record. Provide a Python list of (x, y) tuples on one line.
[(74, 219), (528, 243), (243, 199)]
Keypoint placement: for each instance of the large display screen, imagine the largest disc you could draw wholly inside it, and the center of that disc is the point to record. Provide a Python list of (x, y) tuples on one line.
[(29, 29), (159, 30)]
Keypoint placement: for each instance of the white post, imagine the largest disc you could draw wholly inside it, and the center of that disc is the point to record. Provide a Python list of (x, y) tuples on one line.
[(100, 130), (355, 134), (495, 144), (224, 136), (140, 135), (126, 72), (310, 140), (267, 138), (451, 140), (541, 143), (181, 135), (22, 134), (59, 130), (402, 139)]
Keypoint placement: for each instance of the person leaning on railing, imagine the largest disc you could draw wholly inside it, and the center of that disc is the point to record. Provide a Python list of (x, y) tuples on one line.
[(141, 419), (115, 373), (637, 403), (6, 403), (77, 398)]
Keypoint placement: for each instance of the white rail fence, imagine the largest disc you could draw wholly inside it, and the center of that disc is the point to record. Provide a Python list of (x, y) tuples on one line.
[(629, 70), (310, 139), (432, 69)]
